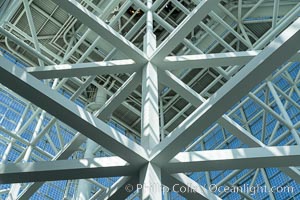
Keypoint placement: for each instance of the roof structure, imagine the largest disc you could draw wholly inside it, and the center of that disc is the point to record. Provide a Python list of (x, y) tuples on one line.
[(149, 99)]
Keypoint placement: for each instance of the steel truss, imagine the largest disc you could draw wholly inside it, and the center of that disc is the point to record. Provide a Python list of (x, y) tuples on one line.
[(158, 160)]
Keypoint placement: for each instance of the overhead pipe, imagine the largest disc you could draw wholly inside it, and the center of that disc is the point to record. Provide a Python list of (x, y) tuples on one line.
[(84, 186)]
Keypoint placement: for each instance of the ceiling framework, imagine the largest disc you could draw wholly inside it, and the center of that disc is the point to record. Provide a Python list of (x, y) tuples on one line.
[(164, 93)]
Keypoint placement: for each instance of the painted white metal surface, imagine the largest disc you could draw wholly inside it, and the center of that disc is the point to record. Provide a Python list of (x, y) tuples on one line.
[(149, 68)]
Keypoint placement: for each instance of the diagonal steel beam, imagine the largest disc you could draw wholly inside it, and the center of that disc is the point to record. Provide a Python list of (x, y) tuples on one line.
[(64, 154), (244, 158), (170, 80), (24, 45), (274, 55), (187, 187), (85, 69), (226, 122), (36, 92), (64, 170), (252, 141), (119, 96), (184, 28), (104, 113), (121, 189), (100, 27)]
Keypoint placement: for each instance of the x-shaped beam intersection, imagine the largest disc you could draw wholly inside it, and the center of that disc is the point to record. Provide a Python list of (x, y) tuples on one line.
[(154, 162)]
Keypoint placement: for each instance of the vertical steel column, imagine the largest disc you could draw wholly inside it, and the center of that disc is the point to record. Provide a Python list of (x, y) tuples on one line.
[(150, 175), (275, 13), (162, 121), (150, 179), (150, 111)]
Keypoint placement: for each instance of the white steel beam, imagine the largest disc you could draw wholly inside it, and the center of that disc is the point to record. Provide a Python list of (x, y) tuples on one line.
[(196, 100), (184, 28), (150, 179), (32, 29), (267, 183), (244, 158), (100, 27), (284, 112), (231, 29), (31, 50), (275, 54), (64, 154), (292, 172), (150, 135), (150, 132), (215, 36), (103, 113), (207, 60), (29, 191), (64, 170), (84, 187), (226, 122), (121, 189), (119, 96), (85, 69), (212, 60), (187, 187), (275, 13), (239, 132), (150, 174), (170, 28), (170, 80), (36, 92), (252, 141)]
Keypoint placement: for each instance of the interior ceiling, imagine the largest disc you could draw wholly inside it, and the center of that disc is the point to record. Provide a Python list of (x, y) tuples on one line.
[(232, 26), (57, 30)]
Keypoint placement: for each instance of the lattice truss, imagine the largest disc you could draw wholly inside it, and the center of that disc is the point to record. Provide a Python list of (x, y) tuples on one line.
[(191, 93)]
